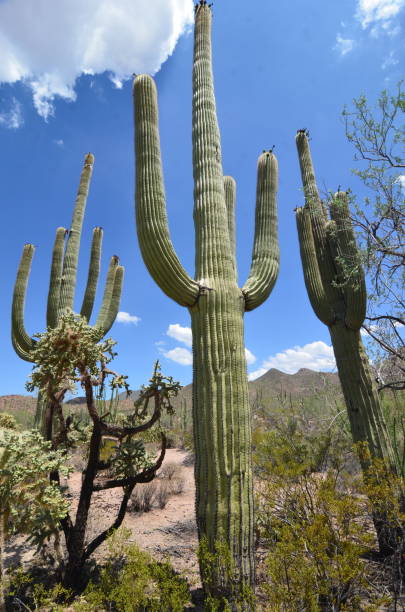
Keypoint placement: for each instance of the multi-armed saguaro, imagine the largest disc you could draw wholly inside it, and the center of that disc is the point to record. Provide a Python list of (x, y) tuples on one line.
[(336, 288), (221, 414), (63, 277)]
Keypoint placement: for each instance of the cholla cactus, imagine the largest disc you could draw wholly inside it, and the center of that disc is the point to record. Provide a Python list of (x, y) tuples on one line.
[(63, 280), (221, 412)]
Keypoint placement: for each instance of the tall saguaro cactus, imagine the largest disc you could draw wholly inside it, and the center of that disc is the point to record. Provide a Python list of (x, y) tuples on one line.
[(63, 279), (336, 288), (221, 413)]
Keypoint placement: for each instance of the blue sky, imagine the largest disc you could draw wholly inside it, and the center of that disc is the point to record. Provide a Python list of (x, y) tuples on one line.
[(65, 90)]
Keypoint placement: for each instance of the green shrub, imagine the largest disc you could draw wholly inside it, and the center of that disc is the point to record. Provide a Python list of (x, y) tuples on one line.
[(7, 421), (313, 528), (218, 568), (132, 581)]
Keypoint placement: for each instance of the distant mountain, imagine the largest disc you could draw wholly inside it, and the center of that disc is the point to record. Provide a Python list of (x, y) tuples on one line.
[(303, 382), (270, 388), (17, 403)]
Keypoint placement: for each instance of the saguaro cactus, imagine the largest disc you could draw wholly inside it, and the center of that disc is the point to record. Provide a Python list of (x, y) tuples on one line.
[(221, 413), (336, 288), (63, 279)]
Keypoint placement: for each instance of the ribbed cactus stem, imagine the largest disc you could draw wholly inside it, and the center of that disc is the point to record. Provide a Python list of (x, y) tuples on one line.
[(56, 278), (354, 284), (230, 199), (360, 392), (93, 274), (221, 411), (110, 315), (68, 285), (336, 288), (266, 255), (62, 285), (312, 276), (22, 341)]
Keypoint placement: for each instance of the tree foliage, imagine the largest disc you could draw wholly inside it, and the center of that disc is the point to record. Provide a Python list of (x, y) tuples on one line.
[(378, 137)]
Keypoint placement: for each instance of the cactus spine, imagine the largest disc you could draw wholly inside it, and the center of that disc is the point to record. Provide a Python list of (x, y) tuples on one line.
[(221, 413), (336, 288), (63, 280)]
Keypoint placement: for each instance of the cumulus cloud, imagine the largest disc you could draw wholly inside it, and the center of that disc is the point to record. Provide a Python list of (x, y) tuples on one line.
[(390, 60), (48, 45), (180, 355), (314, 356), (12, 118), (371, 12), (184, 356), (180, 333), (344, 45), (250, 358), (125, 317), (401, 181)]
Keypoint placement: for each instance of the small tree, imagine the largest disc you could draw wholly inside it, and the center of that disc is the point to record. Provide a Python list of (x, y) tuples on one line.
[(29, 503), (379, 137), (70, 354)]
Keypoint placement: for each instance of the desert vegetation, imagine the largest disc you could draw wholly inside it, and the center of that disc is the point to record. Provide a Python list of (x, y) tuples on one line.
[(288, 490)]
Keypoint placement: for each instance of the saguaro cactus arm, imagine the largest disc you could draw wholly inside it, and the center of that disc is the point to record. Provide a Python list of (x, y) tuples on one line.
[(312, 277), (111, 314), (69, 273), (348, 260), (56, 277), (106, 304), (230, 200), (265, 258), (318, 216), (22, 342), (151, 219), (93, 274), (214, 255)]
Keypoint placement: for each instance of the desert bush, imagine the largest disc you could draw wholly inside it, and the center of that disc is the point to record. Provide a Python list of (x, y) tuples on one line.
[(316, 530), (169, 470), (132, 581), (7, 421), (217, 567), (162, 494), (129, 581), (143, 497), (177, 485)]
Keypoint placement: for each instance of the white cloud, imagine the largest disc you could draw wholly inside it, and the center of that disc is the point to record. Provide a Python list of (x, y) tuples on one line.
[(59, 142), (316, 356), (378, 11), (391, 60), (125, 317), (180, 333), (12, 118), (401, 181), (344, 45), (180, 355), (48, 45), (250, 358)]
